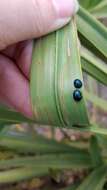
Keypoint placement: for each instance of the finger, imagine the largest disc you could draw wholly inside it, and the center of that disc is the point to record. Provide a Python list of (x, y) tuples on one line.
[(24, 58), (21, 20), (10, 51), (14, 87), (21, 53)]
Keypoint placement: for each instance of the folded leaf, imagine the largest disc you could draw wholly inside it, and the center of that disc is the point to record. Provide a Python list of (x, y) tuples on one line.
[(55, 66)]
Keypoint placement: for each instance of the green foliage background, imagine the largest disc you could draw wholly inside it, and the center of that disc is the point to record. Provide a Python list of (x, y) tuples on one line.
[(25, 155)]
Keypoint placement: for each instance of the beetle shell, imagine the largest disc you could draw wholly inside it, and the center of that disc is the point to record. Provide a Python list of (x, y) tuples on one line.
[(78, 83), (77, 95)]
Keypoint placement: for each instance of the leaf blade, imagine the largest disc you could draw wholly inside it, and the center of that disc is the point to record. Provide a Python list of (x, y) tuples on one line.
[(93, 65), (92, 30), (95, 180)]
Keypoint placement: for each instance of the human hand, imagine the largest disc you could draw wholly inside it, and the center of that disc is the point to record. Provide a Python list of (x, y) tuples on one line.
[(20, 21)]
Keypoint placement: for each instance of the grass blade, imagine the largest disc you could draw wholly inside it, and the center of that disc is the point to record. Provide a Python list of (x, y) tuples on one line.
[(73, 187), (19, 174), (92, 30), (100, 11), (96, 180), (36, 144), (54, 161), (89, 4), (95, 152), (99, 102), (8, 116), (93, 65), (93, 128)]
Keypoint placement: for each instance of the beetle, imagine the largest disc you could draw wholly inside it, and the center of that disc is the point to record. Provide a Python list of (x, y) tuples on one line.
[(77, 83), (77, 95)]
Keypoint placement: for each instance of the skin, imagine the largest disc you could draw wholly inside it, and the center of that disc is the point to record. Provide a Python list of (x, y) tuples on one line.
[(20, 22)]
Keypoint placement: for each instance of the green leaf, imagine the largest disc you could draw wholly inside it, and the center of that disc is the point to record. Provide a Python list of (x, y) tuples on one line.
[(56, 64), (72, 187), (96, 180), (85, 4), (34, 144), (93, 128), (89, 4), (100, 10), (96, 7), (8, 116), (19, 174), (102, 139), (93, 65), (53, 161), (95, 152), (97, 101), (92, 30), (69, 69)]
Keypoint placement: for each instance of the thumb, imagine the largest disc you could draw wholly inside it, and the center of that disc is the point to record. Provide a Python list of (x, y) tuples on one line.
[(21, 20)]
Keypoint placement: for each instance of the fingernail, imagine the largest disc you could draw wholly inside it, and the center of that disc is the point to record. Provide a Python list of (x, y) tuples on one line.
[(66, 8), (59, 23)]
